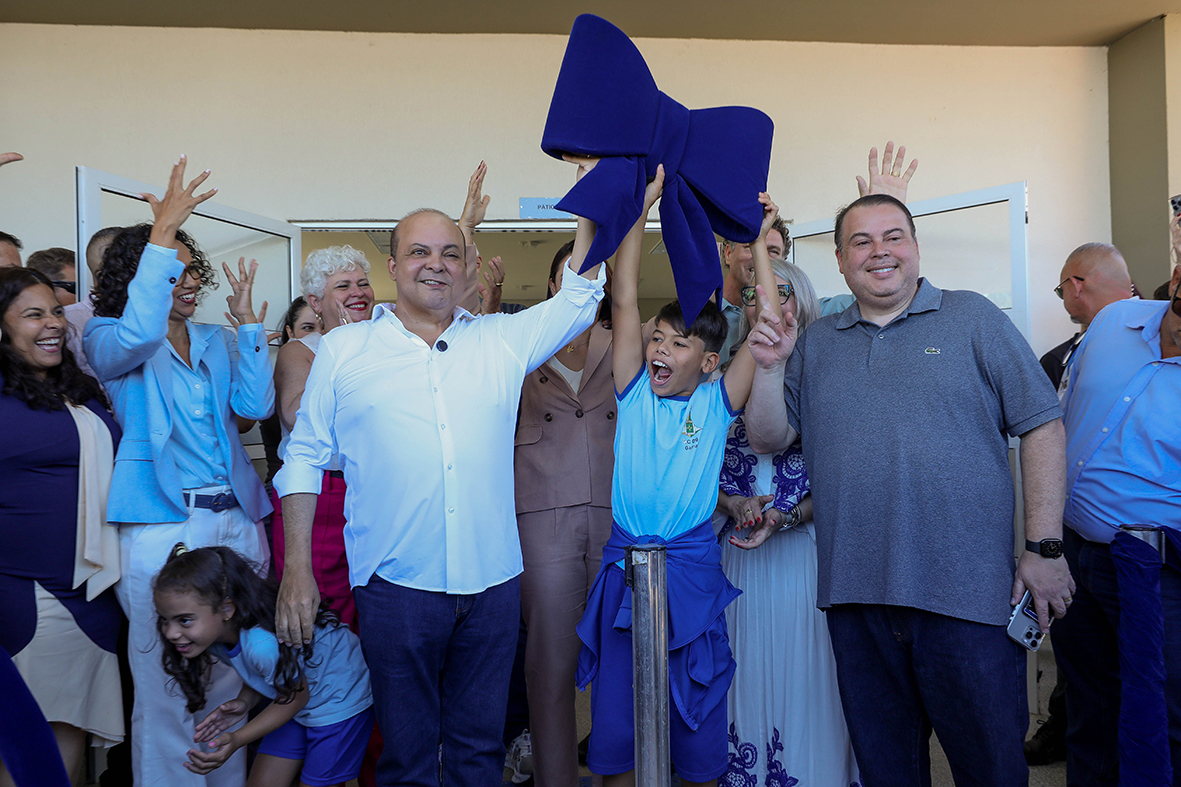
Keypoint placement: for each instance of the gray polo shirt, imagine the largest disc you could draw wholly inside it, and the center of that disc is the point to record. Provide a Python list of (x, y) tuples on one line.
[(904, 434)]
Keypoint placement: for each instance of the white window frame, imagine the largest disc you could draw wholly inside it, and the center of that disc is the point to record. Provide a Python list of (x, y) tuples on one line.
[(1016, 195), (90, 184)]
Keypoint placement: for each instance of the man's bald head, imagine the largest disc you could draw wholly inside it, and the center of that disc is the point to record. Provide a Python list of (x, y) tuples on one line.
[(1093, 276)]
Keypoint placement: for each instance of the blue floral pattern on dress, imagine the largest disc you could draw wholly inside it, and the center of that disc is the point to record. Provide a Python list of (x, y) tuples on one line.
[(744, 756), (790, 479), (739, 762)]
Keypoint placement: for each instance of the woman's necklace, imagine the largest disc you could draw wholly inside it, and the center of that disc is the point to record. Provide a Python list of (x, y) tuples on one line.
[(572, 346)]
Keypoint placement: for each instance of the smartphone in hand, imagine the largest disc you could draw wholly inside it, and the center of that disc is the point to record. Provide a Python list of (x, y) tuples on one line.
[(1023, 626)]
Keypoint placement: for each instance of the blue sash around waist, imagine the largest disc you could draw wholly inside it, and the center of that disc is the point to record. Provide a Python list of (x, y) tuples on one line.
[(700, 664)]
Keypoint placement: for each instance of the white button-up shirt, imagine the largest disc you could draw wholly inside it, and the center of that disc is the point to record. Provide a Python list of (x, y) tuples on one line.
[(425, 438)]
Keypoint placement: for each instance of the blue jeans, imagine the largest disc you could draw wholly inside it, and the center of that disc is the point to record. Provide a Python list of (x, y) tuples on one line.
[(1086, 648), (439, 664), (903, 672)]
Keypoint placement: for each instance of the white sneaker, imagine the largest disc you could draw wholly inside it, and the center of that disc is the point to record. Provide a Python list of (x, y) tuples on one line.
[(520, 758)]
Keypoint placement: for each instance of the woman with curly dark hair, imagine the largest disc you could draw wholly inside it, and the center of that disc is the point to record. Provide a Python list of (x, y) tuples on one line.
[(60, 558), (181, 473)]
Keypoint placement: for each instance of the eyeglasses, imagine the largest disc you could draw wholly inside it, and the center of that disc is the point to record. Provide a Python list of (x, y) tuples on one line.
[(748, 294), (1058, 289), (68, 286)]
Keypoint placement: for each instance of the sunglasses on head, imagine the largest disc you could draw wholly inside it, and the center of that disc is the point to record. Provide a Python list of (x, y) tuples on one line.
[(68, 286), (749, 296)]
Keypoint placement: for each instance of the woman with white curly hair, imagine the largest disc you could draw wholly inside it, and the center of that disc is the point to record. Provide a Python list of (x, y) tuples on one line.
[(336, 285)]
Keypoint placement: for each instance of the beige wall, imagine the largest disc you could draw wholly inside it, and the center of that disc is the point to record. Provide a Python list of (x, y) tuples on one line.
[(1141, 168), (302, 125)]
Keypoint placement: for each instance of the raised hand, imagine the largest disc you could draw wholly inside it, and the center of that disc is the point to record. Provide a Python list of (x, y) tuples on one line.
[(772, 339), (239, 300), (653, 190), (220, 719), (8, 158), (585, 164), (476, 204), (1175, 236), (891, 179), (492, 288), (770, 213), (178, 204)]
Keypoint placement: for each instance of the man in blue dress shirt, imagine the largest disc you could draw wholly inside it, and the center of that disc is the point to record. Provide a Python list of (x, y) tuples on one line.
[(1123, 452)]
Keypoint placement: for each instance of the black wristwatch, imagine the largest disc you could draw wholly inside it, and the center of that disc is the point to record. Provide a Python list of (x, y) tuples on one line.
[(1047, 547)]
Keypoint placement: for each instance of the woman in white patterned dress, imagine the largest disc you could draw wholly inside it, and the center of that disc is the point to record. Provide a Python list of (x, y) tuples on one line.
[(786, 723)]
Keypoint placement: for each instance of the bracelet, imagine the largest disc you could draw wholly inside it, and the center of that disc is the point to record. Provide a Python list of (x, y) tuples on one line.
[(793, 518)]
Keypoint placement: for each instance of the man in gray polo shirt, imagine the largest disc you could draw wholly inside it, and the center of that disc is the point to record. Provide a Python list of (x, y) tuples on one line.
[(905, 403)]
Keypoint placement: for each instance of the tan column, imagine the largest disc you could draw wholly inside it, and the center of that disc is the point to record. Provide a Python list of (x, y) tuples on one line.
[(1144, 120)]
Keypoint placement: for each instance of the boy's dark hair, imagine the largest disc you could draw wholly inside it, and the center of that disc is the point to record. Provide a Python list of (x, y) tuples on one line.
[(216, 575), (710, 326)]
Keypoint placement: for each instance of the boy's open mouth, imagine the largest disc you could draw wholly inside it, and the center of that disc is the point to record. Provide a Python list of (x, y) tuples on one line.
[(660, 372)]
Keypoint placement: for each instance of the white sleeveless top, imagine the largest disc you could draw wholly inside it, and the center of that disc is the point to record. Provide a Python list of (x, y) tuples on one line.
[(312, 342)]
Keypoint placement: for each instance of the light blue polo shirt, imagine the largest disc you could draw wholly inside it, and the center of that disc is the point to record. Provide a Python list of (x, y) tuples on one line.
[(668, 454), (338, 678)]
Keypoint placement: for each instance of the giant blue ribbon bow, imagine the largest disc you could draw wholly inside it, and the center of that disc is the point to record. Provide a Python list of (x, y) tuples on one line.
[(606, 105)]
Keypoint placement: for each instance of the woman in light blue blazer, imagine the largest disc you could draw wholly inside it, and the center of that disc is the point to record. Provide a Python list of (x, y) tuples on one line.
[(181, 474)]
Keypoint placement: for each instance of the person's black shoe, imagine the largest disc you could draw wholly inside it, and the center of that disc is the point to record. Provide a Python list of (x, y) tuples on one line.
[(1048, 744), (583, 747)]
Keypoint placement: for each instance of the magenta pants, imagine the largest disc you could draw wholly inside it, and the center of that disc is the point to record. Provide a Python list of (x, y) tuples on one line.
[(330, 567)]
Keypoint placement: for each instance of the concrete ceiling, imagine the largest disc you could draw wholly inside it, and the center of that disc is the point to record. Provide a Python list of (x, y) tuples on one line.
[(962, 22)]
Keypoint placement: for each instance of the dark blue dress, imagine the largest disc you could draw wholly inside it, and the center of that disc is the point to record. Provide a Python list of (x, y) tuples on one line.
[(39, 523)]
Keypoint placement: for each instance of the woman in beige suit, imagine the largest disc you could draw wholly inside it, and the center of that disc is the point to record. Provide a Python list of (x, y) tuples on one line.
[(564, 460)]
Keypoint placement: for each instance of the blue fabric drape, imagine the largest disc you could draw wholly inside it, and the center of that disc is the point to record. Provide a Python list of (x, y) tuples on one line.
[(1144, 757), (606, 104), (700, 665), (27, 745)]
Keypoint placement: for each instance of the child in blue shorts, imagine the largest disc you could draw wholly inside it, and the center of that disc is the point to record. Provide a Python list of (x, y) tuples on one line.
[(212, 604), (669, 443)]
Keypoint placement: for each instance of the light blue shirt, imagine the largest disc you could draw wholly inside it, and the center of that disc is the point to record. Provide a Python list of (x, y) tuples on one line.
[(338, 679), (835, 304), (194, 439), (1123, 424), (668, 453)]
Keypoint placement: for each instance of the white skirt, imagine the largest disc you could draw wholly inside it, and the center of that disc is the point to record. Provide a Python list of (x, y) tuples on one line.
[(786, 722), (73, 680)]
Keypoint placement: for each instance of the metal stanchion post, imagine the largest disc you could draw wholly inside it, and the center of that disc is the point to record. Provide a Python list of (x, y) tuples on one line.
[(648, 578)]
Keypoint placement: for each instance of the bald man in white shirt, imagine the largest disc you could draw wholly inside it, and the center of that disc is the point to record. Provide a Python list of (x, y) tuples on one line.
[(420, 404)]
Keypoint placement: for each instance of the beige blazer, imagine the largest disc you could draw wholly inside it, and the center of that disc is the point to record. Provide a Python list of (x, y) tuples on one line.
[(566, 439)]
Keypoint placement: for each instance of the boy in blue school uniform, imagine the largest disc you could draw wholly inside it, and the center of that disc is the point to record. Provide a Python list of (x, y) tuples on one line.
[(669, 444)]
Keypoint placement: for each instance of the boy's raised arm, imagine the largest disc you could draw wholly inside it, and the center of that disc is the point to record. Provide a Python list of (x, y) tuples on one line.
[(741, 373), (627, 350)]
